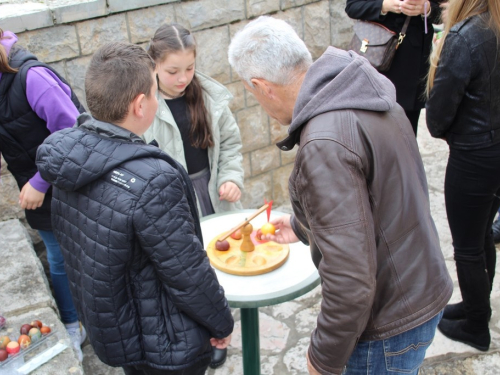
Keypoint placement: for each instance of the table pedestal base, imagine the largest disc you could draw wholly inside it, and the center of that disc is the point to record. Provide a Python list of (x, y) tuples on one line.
[(250, 340)]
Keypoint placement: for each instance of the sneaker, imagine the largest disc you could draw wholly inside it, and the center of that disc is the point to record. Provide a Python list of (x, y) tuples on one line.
[(77, 335), (496, 231)]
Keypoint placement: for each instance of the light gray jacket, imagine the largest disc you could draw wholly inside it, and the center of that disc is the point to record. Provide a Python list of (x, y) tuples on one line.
[(224, 157)]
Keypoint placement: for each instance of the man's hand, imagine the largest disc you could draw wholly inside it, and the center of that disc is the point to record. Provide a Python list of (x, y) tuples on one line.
[(310, 368), (221, 343), (229, 191), (284, 232), (30, 198)]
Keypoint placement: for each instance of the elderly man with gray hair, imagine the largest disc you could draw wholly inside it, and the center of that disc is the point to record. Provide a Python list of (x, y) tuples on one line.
[(360, 200)]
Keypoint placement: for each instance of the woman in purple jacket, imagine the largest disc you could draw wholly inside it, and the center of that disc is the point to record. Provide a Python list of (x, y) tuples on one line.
[(35, 102)]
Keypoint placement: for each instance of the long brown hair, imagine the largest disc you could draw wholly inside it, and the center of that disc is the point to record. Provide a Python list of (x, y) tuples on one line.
[(459, 10), (170, 39), (4, 59)]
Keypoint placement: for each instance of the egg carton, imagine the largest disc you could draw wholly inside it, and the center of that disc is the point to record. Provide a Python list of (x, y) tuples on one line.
[(35, 355)]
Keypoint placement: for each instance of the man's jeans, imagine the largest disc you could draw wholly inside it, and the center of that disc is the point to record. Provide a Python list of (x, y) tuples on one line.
[(59, 278), (401, 354)]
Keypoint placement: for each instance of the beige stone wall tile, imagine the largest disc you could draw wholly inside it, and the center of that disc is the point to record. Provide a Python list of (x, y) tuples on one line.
[(280, 185), (288, 157), (235, 27), (51, 44), (294, 18), (76, 76), (238, 91), (250, 99), (97, 32), (254, 128), (144, 22), (60, 68), (285, 4), (202, 14), (211, 53), (265, 159), (258, 7), (341, 25), (247, 167), (256, 190), (317, 27)]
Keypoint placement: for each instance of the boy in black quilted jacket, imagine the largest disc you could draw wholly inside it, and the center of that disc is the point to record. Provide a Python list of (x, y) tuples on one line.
[(125, 215)]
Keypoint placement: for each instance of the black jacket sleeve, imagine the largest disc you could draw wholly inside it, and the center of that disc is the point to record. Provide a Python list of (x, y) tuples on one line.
[(366, 10)]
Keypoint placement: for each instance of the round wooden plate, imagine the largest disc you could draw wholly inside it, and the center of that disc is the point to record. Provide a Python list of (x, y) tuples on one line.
[(267, 256)]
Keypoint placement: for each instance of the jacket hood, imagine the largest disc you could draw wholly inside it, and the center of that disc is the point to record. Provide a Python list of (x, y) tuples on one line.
[(74, 157), (339, 80)]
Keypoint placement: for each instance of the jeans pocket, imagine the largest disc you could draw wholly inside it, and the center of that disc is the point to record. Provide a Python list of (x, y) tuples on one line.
[(405, 353)]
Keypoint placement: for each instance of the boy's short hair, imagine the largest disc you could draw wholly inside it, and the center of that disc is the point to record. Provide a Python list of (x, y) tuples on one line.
[(117, 73)]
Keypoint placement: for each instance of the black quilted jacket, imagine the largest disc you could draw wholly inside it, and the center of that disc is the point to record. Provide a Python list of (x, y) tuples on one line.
[(125, 216)]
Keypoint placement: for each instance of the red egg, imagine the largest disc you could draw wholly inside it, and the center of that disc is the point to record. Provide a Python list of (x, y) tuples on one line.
[(222, 245), (4, 340), (3, 355), (45, 330), (24, 341), (25, 328), (13, 347), (236, 235), (36, 324)]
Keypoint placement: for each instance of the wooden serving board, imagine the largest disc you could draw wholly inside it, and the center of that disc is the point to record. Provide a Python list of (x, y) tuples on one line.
[(267, 256)]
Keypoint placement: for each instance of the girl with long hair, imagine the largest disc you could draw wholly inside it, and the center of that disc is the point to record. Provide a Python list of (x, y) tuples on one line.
[(463, 108), (195, 126)]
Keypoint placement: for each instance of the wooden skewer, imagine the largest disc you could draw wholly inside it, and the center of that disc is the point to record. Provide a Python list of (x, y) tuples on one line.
[(242, 224)]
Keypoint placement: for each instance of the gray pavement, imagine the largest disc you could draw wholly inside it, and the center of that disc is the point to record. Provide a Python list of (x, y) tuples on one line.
[(285, 328)]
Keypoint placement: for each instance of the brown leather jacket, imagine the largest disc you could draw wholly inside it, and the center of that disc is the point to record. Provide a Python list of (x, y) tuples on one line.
[(360, 199)]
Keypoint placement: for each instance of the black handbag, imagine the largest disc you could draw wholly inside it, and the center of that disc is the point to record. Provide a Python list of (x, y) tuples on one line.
[(377, 43)]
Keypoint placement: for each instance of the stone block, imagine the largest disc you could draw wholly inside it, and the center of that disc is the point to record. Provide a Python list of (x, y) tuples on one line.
[(278, 131), (256, 189), (247, 166), (288, 157), (250, 99), (254, 128), (341, 25), (76, 76), (60, 68), (116, 6), (9, 193), (294, 18), (285, 4), (94, 33), (258, 7), (25, 16), (317, 27), (202, 14), (51, 44), (238, 91), (280, 184), (65, 362), (24, 285), (211, 53), (265, 159), (235, 27), (93, 365), (77, 10), (144, 22)]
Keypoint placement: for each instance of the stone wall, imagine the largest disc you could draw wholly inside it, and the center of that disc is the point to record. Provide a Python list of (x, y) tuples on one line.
[(65, 33)]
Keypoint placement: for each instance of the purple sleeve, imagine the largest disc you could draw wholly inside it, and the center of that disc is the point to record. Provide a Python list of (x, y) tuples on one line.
[(50, 99)]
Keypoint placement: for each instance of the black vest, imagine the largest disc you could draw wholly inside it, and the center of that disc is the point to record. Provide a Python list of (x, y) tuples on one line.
[(22, 131)]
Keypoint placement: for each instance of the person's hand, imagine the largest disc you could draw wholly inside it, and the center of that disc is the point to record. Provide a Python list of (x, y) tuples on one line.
[(310, 368), (30, 198), (221, 343), (284, 232), (392, 6), (413, 7), (229, 191)]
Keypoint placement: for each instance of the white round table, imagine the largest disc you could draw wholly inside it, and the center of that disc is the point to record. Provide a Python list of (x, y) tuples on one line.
[(295, 277)]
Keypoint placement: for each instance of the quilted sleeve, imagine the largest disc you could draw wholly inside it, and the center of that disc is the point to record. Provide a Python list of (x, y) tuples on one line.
[(166, 233)]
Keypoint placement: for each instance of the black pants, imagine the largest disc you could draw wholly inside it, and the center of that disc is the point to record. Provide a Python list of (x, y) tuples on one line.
[(197, 369), (413, 116), (472, 186)]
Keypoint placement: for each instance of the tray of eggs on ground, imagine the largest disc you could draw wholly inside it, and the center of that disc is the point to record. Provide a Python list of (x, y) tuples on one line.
[(35, 345), (243, 251)]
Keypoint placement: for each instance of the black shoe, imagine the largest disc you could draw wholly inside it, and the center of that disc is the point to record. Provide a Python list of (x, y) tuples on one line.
[(454, 312), (496, 231), (218, 357), (456, 330)]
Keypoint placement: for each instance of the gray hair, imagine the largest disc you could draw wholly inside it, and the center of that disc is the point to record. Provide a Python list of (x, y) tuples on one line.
[(270, 49)]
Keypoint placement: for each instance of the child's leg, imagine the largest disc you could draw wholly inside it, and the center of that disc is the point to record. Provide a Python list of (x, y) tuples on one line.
[(59, 278)]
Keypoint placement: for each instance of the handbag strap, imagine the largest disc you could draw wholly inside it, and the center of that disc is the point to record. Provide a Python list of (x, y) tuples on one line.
[(402, 34)]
